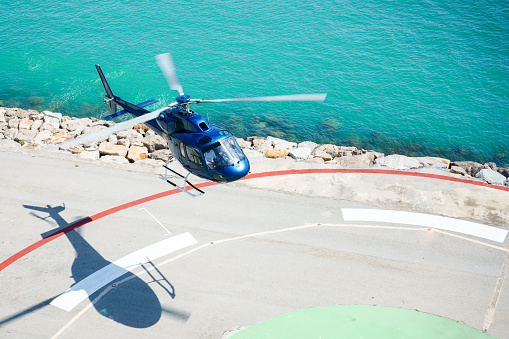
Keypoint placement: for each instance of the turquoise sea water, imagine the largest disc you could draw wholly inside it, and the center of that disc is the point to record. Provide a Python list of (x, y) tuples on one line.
[(417, 78)]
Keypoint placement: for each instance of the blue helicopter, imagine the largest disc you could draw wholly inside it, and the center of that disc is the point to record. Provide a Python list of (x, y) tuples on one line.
[(203, 149)]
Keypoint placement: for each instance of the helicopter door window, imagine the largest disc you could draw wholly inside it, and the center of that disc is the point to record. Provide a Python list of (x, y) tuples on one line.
[(194, 155), (182, 150)]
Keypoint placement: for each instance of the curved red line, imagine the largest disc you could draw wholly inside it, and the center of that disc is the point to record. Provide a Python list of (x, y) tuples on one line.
[(110, 211)]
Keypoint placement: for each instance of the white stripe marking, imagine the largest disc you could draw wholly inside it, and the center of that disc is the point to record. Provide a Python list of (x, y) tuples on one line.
[(426, 220), (86, 287), (143, 208)]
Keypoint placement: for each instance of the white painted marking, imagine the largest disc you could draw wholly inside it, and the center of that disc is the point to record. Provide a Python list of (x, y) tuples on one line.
[(86, 287), (490, 314), (427, 220), (143, 208)]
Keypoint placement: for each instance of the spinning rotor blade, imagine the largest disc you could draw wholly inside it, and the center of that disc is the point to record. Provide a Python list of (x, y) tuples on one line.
[(294, 97), (88, 138), (166, 65)]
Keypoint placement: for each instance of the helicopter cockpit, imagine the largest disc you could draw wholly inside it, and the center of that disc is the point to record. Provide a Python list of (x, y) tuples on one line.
[(224, 153)]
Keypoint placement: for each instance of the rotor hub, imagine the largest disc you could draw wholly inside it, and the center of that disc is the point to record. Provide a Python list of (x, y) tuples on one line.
[(183, 98)]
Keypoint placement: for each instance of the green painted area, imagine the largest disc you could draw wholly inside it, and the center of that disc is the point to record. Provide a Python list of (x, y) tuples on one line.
[(359, 321)]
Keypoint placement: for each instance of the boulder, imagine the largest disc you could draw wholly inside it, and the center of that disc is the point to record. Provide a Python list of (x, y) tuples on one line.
[(92, 155), (9, 144), (491, 177), (11, 133), (471, 167), (115, 159), (318, 153), (276, 153), (301, 153), (41, 136), (399, 162), (281, 144), (330, 149), (106, 148), (51, 123), (433, 160), (357, 161), (310, 144), (4, 126), (344, 151), (93, 129), (243, 143), (504, 171), (76, 124), (52, 115), (141, 128), (36, 125), (14, 123), (137, 153), (124, 142), (458, 170), (154, 143), (25, 135), (77, 149), (261, 145), (134, 137), (2, 117), (58, 137), (113, 139), (162, 154), (25, 124), (440, 165)]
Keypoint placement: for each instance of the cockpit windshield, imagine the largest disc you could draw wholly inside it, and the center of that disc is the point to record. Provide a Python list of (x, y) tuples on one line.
[(226, 153)]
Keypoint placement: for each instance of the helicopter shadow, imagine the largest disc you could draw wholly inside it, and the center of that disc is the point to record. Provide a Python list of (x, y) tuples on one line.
[(131, 303)]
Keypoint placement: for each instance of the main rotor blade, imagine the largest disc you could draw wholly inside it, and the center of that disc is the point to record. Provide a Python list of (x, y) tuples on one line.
[(294, 97), (166, 65), (88, 138)]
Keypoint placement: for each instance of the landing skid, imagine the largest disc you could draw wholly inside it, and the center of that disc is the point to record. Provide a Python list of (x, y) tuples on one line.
[(183, 189)]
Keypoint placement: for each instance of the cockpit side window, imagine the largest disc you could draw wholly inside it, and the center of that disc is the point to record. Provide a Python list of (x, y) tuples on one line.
[(194, 155)]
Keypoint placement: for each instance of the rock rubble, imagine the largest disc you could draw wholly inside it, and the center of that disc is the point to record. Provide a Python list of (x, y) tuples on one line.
[(30, 128)]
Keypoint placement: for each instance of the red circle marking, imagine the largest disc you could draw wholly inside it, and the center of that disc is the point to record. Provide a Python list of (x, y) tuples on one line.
[(107, 212)]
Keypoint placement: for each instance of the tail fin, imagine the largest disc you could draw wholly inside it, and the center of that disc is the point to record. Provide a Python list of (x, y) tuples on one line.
[(110, 102)]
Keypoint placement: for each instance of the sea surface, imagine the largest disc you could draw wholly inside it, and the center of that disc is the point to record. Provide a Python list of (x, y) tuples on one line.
[(410, 77)]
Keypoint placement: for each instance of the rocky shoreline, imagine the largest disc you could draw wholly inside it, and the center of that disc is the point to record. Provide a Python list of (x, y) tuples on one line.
[(35, 130)]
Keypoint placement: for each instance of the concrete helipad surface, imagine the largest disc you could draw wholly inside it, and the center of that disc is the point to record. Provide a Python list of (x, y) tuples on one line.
[(124, 256)]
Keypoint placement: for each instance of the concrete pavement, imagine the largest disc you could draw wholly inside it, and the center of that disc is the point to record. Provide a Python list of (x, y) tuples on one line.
[(260, 253)]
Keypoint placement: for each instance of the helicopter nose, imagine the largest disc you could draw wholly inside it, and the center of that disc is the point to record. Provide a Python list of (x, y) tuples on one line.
[(236, 171)]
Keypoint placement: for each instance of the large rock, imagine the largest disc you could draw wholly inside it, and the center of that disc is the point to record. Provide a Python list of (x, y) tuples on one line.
[(471, 167), (11, 133), (2, 117), (321, 154), (25, 135), (134, 137), (25, 124), (243, 143), (106, 148), (330, 149), (93, 129), (504, 171), (92, 155), (42, 135), (14, 123), (76, 124), (262, 145), (115, 159), (137, 153), (301, 153), (399, 162), (276, 153), (9, 144), (162, 154), (59, 137), (310, 144), (433, 160), (51, 123), (491, 177), (154, 143), (281, 144), (458, 170), (36, 126), (357, 161)]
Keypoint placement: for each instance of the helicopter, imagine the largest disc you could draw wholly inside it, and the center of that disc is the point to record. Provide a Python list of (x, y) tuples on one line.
[(203, 149)]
